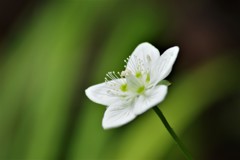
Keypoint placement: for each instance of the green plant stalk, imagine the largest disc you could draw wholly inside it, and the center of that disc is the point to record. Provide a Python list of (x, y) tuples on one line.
[(172, 133)]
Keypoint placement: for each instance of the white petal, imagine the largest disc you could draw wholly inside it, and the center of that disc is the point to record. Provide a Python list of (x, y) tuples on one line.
[(145, 52), (117, 115), (99, 94), (151, 98), (163, 66), (146, 49)]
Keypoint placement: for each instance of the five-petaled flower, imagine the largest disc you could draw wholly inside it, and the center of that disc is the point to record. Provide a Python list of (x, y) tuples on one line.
[(137, 88)]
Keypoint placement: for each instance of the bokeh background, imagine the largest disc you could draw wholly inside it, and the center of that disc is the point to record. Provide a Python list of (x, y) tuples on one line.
[(51, 51)]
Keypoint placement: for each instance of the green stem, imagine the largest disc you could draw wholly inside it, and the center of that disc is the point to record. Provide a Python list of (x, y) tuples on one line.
[(172, 133)]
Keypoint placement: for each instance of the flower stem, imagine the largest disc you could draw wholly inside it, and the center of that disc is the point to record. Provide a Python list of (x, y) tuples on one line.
[(172, 133)]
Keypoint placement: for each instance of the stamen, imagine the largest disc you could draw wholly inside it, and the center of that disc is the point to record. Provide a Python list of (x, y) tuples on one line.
[(116, 84), (125, 73), (112, 75), (136, 65), (112, 79)]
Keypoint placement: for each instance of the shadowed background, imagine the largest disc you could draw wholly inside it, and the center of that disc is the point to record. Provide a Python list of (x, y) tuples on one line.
[(51, 51)]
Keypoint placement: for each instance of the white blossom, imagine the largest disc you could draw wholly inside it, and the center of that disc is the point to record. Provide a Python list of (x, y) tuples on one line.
[(137, 88)]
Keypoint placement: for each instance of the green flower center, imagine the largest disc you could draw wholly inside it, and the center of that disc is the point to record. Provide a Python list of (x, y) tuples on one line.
[(148, 78), (138, 74), (123, 87), (141, 89)]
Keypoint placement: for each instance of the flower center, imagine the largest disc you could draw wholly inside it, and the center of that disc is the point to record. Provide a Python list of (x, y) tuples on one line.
[(138, 75), (141, 89), (135, 83), (123, 87), (148, 78), (134, 80)]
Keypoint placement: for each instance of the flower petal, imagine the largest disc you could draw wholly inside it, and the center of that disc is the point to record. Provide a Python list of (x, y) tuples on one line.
[(117, 115), (144, 52), (146, 49), (99, 94), (151, 98), (163, 66)]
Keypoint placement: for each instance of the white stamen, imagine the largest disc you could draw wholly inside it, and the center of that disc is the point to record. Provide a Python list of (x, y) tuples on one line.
[(113, 81), (125, 73)]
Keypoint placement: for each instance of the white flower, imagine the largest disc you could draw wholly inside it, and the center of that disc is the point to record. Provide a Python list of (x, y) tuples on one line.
[(137, 89)]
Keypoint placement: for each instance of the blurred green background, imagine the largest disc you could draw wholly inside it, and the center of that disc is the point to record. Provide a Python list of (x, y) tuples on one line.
[(51, 51)]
